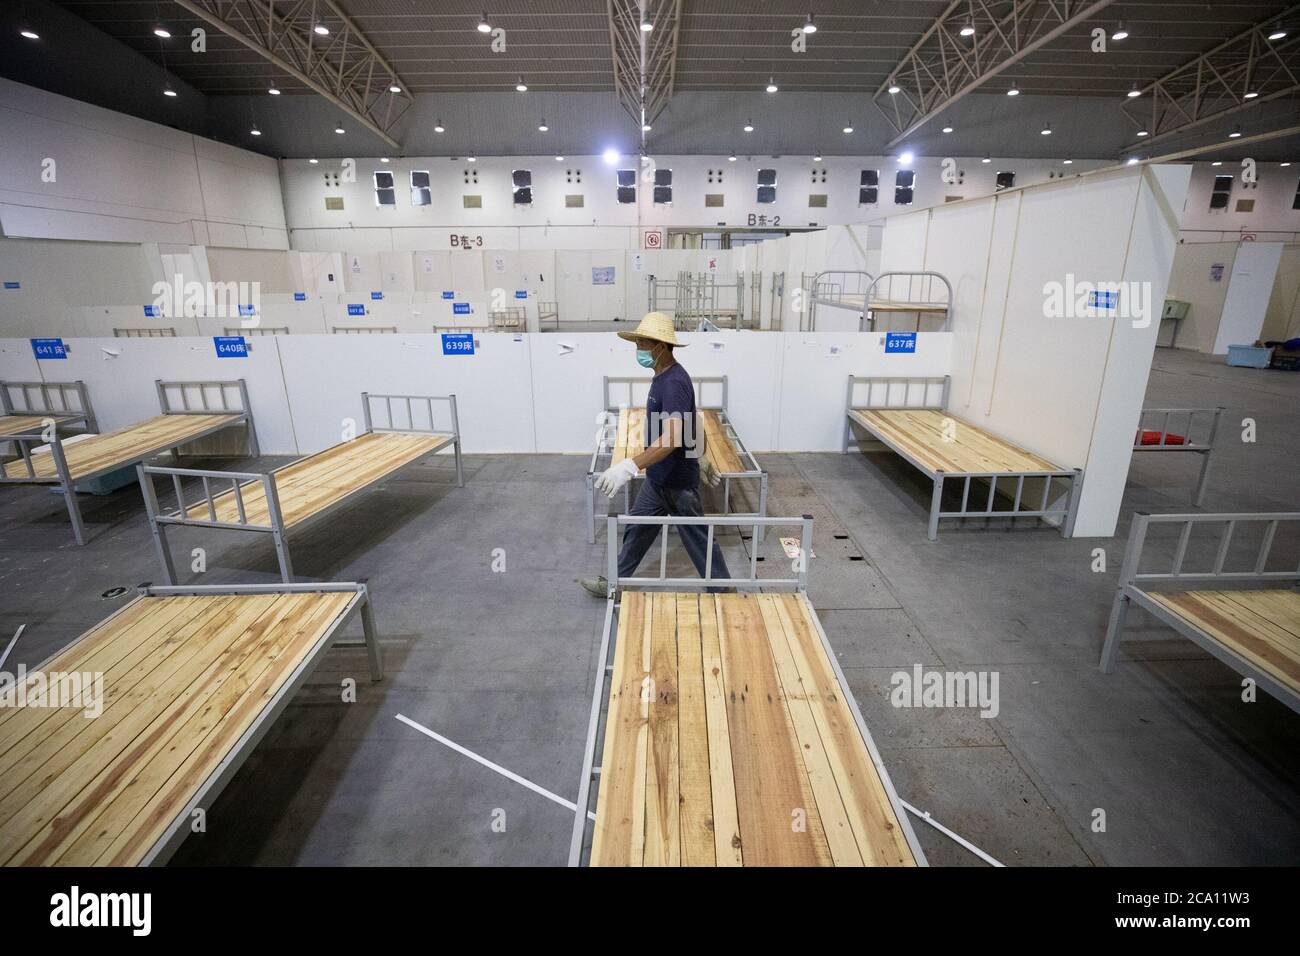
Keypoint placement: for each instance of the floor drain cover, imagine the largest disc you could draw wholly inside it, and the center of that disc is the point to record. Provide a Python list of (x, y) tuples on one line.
[(113, 592)]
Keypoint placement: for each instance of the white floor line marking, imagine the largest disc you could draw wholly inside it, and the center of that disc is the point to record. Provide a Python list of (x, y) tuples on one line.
[(925, 815), (522, 781), (12, 641)]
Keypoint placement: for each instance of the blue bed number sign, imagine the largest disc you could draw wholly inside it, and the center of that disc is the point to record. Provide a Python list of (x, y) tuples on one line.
[(376, 296), (457, 343), (300, 297), (460, 308), (49, 349), (356, 310), (521, 293), (896, 343), (152, 312), (1100, 299), (230, 346), (448, 295)]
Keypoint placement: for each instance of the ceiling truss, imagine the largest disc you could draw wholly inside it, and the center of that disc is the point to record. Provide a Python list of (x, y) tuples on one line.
[(343, 67), (943, 66), (1238, 74), (645, 62)]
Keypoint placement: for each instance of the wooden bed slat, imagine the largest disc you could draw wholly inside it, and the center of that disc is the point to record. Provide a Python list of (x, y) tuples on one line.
[(749, 751), (30, 424), (920, 431), (120, 447), (719, 448)]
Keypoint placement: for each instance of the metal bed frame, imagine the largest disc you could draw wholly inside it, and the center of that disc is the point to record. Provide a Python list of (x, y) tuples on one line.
[(1065, 513), (830, 293), (549, 312), (799, 583), (148, 332), (69, 401), (211, 788), (511, 319), (1203, 448), (364, 330), (63, 479), (159, 519), (1134, 585), (607, 435), (257, 330)]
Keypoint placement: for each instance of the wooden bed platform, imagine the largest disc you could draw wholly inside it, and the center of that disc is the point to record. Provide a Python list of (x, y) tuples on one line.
[(313, 484), (29, 424), (742, 751), (123, 447), (996, 477), (1246, 618), (719, 448), (191, 681)]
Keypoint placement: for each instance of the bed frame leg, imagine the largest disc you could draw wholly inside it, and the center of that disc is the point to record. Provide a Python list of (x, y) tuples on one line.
[(762, 505), (460, 471), (69, 488), (591, 508), (371, 633), (1118, 613), (282, 555), (1072, 508), (74, 513), (1200, 482), (936, 505), (164, 552)]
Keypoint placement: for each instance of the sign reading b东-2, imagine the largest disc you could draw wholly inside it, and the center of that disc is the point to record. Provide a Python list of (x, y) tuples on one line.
[(230, 346), (49, 349), (457, 343), (900, 343)]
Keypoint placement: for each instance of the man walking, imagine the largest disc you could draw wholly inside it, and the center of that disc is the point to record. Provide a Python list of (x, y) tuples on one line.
[(670, 462)]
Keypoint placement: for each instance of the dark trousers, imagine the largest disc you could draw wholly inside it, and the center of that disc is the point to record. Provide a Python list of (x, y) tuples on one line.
[(656, 500)]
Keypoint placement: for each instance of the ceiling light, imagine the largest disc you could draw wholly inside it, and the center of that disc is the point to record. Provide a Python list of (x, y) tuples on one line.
[(1067, 162), (542, 127), (610, 156), (1278, 33), (313, 161), (646, 127), (471, 159), (731, 158), (168, 91), (1143, 132), (1046, 130), (1250, 94), (383, 159), (1217, 162), (947, 129), (969, 29), (817, 158), (255, 131), (1132, 161), (1014, 91), (771, 84), (394, 89), (162, 31), (894, 88), (30, 34), (339, 130), (1284, 165), (848, 127), (986, 160), (646, 26), (321, 30), (439, 128), (483, 25), (749, 126), (559, 159), (905, 158), (1120, 33), (1134, 92), (809, 26), (1236, 133), (273, 89), (520, 85)]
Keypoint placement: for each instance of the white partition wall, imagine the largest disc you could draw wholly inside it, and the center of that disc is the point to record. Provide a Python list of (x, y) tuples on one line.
[(1249, 290)]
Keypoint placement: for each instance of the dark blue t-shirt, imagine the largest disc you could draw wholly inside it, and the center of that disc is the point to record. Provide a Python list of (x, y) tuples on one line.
[(672, 394)]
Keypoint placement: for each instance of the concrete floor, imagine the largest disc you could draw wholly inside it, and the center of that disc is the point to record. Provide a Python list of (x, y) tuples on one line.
[(502, 663)]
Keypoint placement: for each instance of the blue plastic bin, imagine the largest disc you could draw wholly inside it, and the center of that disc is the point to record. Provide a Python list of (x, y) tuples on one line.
[(1249, 356)]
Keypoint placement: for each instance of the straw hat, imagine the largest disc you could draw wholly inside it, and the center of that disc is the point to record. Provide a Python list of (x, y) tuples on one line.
[(656, 326)]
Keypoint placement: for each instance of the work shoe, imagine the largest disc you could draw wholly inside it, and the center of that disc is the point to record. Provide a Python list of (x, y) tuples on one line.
[(596, 587)]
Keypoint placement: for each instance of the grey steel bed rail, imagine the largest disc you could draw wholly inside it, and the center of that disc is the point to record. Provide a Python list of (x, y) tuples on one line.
[(920, 283), (590, 772), (257, 330), (550, 312), (919, 392), (1202, 428), (147, 332), (213, 398), (69, 400), (607, 435), (829, 287), (1135, 584), (238, 482)]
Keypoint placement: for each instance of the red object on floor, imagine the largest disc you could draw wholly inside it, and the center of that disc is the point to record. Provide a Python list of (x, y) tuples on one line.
[(1153, 438)]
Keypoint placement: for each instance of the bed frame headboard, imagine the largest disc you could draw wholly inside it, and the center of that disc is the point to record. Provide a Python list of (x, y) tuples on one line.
[(202, 397), (632, 386), (871, 391), (1215, 574), (48, 398), (412, 404)]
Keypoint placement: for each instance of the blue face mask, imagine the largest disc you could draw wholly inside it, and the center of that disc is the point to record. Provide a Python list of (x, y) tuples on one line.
[(645, 358)]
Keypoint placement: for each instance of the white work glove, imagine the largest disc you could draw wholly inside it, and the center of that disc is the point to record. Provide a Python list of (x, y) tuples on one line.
[(708, 474), (612, 480)]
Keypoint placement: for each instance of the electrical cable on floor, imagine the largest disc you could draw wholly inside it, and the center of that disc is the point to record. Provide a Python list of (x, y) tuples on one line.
[(925, 815)]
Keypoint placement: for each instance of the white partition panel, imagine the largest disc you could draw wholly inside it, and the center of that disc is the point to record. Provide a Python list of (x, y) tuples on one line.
[(1249, 290)]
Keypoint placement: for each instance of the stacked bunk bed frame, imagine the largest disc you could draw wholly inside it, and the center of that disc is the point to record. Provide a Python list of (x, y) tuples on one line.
[(909, 416), (622, 435), (729, 735), (309, 489), (923, 294)]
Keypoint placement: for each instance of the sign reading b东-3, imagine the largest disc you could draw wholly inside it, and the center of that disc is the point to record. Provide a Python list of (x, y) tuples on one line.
[(230, 346), (899, 343), (49, 349)]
